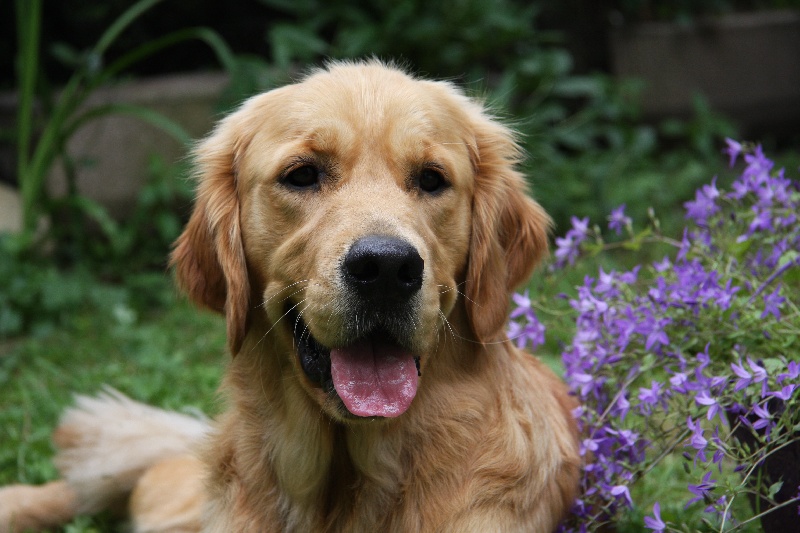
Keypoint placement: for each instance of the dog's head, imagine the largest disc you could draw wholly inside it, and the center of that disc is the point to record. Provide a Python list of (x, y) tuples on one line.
[(354, 211)]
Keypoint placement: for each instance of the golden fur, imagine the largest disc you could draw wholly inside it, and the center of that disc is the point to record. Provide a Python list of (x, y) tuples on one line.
[(488, 443)]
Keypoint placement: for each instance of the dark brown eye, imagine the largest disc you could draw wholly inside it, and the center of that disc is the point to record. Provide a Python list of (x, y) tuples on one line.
[(432, 181), (303, 177)]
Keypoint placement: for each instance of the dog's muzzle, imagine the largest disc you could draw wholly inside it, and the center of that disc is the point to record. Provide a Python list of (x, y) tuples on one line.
[(375, 371)]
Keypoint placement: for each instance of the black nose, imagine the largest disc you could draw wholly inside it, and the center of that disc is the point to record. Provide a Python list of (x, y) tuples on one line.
[(383, 268)]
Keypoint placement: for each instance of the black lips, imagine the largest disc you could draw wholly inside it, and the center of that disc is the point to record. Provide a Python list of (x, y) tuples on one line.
[(314, 357)]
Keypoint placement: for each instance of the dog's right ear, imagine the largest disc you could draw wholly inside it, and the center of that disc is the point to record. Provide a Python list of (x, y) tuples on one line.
[(208, 256), (509, 229)]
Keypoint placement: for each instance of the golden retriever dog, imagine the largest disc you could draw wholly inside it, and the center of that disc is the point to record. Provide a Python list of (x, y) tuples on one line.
[(361, 231)]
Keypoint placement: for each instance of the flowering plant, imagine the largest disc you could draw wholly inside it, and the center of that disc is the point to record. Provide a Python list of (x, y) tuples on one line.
[(693, 357)]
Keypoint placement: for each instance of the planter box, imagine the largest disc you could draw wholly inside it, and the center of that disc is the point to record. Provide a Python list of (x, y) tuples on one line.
[(746, 64), (112, 153)]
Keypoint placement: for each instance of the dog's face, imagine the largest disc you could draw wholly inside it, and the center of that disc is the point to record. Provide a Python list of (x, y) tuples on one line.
[(354, 210)]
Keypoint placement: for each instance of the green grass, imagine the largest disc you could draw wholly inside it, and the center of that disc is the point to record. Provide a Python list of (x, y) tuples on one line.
[(667, 483), (172, 357)]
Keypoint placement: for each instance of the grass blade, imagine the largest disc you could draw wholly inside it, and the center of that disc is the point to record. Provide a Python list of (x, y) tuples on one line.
[(28, 29), (220, 48), (122, 22)]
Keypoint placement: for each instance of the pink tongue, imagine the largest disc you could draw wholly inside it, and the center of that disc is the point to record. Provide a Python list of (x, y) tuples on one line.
[(374, 378)]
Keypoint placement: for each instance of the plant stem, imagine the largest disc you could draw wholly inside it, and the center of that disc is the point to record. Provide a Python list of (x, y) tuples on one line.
[(28, 29)]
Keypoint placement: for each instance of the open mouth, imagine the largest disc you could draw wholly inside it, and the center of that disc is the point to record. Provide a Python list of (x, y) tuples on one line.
[(373, 376)]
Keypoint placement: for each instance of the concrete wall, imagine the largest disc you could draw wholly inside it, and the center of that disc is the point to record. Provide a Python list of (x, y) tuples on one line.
[(747, 65)]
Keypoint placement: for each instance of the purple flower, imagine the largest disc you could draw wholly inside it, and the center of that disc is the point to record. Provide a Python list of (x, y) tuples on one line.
[(523, 302), (772, 304), (662, 266), (589, 445), (733, 150), (621, 407), (698, 440), (764, 420), (702, 491), (568, 247), (784, 394), (617, 220), (529, 330), (761, 222), (622, 491), (744, 376), (679, 382), (758, 165), (759, 372), (650, 397), (655, 523), (704, 205), (703, 398), (580, 227), (793, 372), (534, 332), (567, 250)]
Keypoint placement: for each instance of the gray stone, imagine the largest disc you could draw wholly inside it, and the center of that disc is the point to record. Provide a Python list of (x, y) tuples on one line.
[(10, 210)]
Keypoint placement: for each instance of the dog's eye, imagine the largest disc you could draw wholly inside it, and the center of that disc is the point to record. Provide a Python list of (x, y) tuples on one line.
[(431, 180), (302, 177)]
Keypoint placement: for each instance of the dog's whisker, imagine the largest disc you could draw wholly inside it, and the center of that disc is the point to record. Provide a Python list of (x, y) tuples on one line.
[(284, 315), (460, 293), (266, 301), (455, 335), (446, 323), (298, 291)]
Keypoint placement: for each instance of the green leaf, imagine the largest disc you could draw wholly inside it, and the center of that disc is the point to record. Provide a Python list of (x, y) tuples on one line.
[(122, 22), (11, 321), (290, 43), (99, 214), (635, 244), (578, 86), (292, 6), (220, 48), (790, 256), (67, 55), (29, 13), (774, 489)]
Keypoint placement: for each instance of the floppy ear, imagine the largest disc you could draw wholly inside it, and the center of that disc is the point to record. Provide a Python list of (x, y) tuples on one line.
[(208, 256), (509, 230)]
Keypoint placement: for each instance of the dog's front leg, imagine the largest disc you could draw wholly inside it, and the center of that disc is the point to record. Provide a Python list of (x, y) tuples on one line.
[(169, 497)]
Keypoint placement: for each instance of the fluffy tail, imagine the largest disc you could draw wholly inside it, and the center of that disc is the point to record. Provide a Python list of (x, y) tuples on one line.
[(105, 444)]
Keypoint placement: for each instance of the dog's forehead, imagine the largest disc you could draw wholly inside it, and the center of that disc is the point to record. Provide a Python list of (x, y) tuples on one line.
[(360, 108)]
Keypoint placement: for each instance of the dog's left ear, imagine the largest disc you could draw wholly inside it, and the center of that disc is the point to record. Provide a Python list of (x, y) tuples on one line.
[(509, 230), (208, 256)]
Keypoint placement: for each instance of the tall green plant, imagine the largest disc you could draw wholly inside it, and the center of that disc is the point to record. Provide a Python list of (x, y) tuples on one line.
[(42, 135)]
